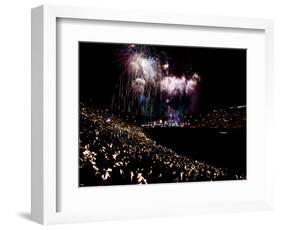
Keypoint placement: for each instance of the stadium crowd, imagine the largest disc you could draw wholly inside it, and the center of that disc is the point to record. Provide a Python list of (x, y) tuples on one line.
[(115, 152), (230, 118)]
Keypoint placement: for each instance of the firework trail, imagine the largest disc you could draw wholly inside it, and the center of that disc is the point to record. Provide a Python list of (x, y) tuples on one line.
[(146, 86)]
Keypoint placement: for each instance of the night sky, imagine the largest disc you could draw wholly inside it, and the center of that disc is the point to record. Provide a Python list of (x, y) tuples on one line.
[(222, 71)]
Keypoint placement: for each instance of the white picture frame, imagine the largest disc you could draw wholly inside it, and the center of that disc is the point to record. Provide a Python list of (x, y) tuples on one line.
[(46, 183)]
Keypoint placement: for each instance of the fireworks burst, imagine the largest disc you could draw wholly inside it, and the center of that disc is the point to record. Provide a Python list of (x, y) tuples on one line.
[(146, 84)]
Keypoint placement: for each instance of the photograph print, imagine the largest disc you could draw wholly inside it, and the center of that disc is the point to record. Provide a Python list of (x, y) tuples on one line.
[(161, 114)]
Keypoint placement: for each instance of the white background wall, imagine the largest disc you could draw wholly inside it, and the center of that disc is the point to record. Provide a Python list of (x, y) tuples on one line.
[(15, 113)]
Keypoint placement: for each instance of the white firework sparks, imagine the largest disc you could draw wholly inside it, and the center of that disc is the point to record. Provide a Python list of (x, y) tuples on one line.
[(166, 66), (173, 85), (192, 83), (138, 86), (146, 77), (142, 67)]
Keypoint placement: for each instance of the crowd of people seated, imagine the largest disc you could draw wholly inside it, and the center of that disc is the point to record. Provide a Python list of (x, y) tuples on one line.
[(229, 118), (115, 152)]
